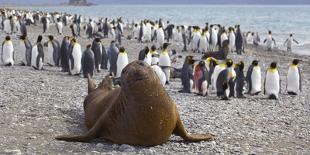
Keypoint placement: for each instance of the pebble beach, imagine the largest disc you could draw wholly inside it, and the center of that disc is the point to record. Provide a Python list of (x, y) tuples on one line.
[(36, 106)]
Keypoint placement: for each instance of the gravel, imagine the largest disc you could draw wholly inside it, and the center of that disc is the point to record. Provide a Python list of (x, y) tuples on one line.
[(36, 106)]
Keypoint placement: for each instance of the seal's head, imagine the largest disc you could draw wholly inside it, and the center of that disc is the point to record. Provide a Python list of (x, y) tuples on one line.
[(138, 75)]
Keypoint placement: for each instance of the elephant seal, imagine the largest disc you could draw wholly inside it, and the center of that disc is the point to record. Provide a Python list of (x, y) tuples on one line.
[(140, 112)]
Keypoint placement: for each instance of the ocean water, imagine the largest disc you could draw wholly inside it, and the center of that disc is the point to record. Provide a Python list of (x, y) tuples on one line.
[(281, 19)]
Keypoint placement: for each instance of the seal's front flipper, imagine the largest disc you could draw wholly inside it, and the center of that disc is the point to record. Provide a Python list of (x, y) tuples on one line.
[(180, 131), (91, 84)]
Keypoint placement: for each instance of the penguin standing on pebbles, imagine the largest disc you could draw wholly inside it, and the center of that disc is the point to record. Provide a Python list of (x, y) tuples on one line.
[(272, 82), (187, 76), (25, 49), (75, 58), (53, 52), (165, 61), (97, 48), (200, 79), (88, 62), (240, 80), (294, 78), (37, 55), (65, 53), (7, 52), (122, 61), (254, 78)]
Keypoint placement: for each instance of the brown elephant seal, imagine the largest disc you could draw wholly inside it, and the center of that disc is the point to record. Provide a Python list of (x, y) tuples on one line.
[(140, 112)]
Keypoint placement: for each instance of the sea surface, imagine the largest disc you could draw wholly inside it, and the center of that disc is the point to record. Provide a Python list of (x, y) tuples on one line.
[(280, 19)]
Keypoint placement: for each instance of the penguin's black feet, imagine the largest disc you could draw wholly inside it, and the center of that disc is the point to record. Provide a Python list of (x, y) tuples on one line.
[(241, 96), (98, 70), (167, 83), (273, 97), (225, 98), (184, 91), (292, 93)]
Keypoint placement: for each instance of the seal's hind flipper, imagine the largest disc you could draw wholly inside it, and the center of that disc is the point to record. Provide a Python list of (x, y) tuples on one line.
[(180, 131), (74, 138)]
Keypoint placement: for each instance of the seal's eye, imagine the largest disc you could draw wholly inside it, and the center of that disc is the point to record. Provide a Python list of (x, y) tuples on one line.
[(141, 63), (124, 71)]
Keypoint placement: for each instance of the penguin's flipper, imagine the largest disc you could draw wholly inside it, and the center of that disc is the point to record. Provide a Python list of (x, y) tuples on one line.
[(265, 84), (300, 85), (71, 61)]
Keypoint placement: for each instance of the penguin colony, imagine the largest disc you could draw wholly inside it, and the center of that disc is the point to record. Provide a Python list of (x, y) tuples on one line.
[(210, 73)]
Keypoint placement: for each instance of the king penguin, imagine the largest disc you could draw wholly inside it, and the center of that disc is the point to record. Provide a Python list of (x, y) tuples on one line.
[(240, 80), (7, 52), (97, 48), (165, 61), (25, 49), (53, 52), (254, 78), (270, 41), (88, 62), (272, 82), (200, 79), (224, 80), (232, 40), (122, 61), (187, 77), (75, 58), (37, 55), (65, 53), (239, 40), (294, 78)]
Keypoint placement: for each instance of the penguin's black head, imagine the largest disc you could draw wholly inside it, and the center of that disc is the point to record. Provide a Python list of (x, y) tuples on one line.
[(97, 39), (165, 46), (153, 48), (189, 59), (229, 62), (269, 32), (255, 63), (23, 37), (39, 38), (291, 35), (296, 62), (7, 38), (50, 37), (121, 49), (241, 65), (273, 65), (146, 49), (73, 40), (202, 64)]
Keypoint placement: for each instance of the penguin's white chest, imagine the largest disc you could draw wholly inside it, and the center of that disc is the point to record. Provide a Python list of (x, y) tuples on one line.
[(217, 70), (161, 75), (148, 58), (23, 49), (293, 80), (122, 62), (7, 55), (49, 54), (164, 60), (256, 78), (272, 84)]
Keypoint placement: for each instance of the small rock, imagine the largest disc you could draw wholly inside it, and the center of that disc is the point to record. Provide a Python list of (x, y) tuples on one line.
[(126, 148), (13, 152), (99, 145)]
